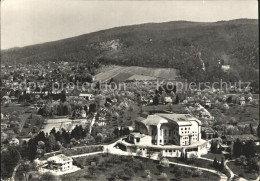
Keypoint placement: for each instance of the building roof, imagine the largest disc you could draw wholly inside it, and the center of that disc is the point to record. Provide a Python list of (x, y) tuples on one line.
[(160, 118), (137, 135), (59, 159), (85, 95)]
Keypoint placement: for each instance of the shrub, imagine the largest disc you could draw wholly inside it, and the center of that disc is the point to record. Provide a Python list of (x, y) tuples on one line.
[(188, 173), (147, 173), (197, 173)]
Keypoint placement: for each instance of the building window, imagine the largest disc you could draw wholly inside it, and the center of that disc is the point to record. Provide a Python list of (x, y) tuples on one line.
[(160, 141)]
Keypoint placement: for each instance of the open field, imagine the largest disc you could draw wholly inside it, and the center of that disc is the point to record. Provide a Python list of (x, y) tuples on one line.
[(65, 123), (138, 73), (213, 156)]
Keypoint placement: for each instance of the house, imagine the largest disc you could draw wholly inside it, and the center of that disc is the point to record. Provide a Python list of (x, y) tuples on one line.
[(206, 102), (83, 113), (168, 99), (87, 96), (242, 101), (225, 68), (60, 163), (5, 126), (6, 99), (14, 142)]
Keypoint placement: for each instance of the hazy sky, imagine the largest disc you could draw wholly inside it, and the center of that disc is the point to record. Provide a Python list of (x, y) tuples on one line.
[(26, 22)]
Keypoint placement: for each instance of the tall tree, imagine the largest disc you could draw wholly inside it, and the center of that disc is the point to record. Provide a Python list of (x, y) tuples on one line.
[(249, 149), (237, 148), (51, 143)]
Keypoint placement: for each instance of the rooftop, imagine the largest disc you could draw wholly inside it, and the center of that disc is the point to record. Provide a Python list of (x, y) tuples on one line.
[(59, 159), (160, 118)]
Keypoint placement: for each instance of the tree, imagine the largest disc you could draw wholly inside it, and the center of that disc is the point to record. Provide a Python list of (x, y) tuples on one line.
[(53, 131), (99, 137), (214, 147), (117, 132), (9, 159), (156, 100), (252, 131), (177, 100), (48, 176), (92, 170), (51, 143), (222, 163), (24, 168), (258, 130), (215, 163), (249, 149), (237, 148)]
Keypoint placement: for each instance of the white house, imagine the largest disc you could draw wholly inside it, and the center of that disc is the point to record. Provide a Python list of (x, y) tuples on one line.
[(242, 101), (14, 142), (60, 162), (87, 96)]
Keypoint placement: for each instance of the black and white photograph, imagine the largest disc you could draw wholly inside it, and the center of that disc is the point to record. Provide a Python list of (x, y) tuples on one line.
[(130, 90)]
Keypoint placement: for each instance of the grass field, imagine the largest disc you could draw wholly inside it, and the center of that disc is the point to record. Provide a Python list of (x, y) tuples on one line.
[(65, 123), (138, 73), (110, 164)]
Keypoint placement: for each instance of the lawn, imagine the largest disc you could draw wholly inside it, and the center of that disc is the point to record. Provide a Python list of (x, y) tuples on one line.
[(198, 162), (109, 165), (241, 171), (213, 156), (201, 163)]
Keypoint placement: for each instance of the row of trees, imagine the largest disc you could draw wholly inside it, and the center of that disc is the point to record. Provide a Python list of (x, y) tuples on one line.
[(249, 149), (54, 141)]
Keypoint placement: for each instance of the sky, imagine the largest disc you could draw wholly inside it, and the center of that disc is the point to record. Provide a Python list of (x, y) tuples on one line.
[(28, 22)]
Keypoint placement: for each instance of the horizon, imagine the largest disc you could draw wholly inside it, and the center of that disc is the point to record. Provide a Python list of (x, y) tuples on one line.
[(26, 25)]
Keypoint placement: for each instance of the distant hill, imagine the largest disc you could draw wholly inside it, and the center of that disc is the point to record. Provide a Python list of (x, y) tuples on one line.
[(190, 47)]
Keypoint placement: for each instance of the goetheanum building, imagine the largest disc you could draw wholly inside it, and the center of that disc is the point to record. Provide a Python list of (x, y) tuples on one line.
[(171, 134)]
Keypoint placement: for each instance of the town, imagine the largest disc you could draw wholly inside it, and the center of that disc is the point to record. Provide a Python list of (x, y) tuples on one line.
[(49, 132)]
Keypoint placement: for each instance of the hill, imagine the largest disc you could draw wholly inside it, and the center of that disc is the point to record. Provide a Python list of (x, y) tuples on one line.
[(194, 48)]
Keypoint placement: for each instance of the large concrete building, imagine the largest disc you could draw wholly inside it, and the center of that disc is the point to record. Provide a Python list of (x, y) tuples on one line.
[(170, 129), (170, 134)]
